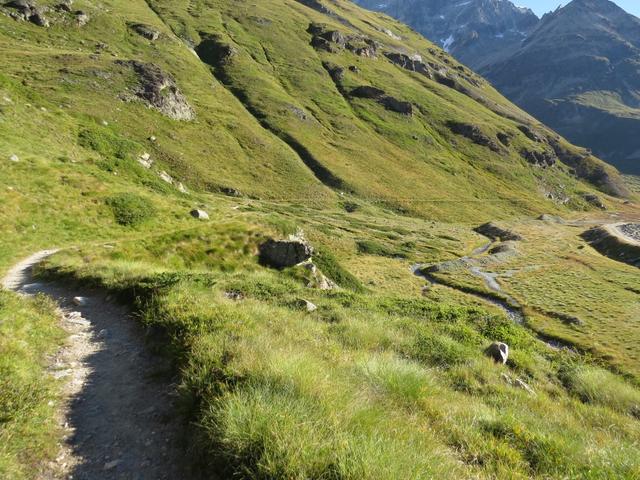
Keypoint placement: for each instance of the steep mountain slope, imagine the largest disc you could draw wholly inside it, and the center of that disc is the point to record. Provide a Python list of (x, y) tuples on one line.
[(579, 72), (476, 32)]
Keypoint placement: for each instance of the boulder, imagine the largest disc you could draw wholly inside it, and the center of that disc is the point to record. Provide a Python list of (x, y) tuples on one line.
[(145, 31), (199, 214), (307, 305), (159, 90), (495, 232), (285, 253), (395, 105), (594, 200), (367, 91), (166, 177), (530, 134), (542, 159), (145, 160), (82, 18), (473, 133), (80, 301), (498, 351)]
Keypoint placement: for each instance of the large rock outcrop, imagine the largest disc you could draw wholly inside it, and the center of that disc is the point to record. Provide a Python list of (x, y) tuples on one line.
[(159, 90)]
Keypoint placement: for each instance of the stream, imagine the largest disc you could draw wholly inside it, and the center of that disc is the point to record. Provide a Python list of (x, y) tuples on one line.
[(509, 306)]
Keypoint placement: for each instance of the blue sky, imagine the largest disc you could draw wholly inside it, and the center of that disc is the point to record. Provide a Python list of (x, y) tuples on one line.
[(543, 6)]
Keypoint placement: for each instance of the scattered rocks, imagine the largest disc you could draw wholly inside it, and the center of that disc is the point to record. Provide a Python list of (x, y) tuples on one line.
[(334, 41), (159, 90), (145, 31), (285, 253), (29, 11), (495, 232), (409, 63), (498, 351), (199, 214), (473, 133), (542, 159)]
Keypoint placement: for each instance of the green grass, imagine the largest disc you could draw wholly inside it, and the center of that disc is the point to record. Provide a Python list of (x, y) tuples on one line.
[(371, 385), (383, 380), (29, 430)]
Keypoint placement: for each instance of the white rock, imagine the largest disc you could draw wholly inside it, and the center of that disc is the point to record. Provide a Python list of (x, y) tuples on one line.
[(14, 158), (105, 123), (311, 307), (200, 214), (152, 138), (145, 160), (166, 177), (182, 188)]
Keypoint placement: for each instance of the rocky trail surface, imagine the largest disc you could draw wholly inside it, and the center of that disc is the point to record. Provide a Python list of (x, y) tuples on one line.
[(118, 413)]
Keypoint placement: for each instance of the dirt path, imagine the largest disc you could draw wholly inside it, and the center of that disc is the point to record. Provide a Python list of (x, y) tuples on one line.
[(119, 414)]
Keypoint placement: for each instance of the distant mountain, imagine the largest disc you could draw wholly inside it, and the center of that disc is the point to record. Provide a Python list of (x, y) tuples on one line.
[(476, 32), (579, 72), (576, 69)]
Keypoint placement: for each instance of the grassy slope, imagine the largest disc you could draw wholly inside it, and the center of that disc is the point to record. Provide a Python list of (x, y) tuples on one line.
[(378, 363), (29, 430)]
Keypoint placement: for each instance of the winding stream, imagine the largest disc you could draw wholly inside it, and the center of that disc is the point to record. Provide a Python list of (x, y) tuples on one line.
[(509, 306)]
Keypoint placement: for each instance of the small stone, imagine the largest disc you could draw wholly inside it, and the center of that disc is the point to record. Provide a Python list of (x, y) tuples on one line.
[(182, 188), (80, 301), (200, 214), (111, 465), (498, 351), (521, 384), (152, 138), (14, 158), (105, 123), (166, 177), (310, 307), (145, 160)]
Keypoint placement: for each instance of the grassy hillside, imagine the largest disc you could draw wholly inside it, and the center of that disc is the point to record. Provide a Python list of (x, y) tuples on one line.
[(117, 122)]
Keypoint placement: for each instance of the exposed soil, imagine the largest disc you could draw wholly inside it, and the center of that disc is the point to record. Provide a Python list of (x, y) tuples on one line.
[(119, 413)]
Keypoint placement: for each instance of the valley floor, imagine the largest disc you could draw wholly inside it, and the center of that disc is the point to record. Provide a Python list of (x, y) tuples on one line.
[(274, 388)]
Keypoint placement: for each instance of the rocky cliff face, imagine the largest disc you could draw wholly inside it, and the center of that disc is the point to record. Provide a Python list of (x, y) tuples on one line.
[(579, 72), (476, 32)]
